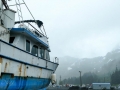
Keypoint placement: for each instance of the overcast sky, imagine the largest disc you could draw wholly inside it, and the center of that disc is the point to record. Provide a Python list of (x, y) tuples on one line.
[(78, 28)]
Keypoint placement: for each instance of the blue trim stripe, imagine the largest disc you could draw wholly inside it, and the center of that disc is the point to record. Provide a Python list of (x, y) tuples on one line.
[(24, 62), (30, 34), (25, 51)]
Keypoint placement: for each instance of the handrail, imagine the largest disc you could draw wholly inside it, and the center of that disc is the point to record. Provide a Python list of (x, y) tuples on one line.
[(56, 60), (36, 29), (39, 23)]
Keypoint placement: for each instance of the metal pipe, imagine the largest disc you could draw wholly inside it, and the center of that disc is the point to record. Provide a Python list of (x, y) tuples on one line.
[(35, 28), (80, 79), (16, 4)]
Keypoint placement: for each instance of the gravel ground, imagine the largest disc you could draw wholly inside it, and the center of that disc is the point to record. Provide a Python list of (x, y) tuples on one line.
[(56, 88)]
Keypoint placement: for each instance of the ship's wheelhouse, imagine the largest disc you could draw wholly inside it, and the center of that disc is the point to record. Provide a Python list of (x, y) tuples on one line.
[(32, 43)]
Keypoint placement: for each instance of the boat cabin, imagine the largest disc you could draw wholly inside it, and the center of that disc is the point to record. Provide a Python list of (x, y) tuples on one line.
[(31, 41)]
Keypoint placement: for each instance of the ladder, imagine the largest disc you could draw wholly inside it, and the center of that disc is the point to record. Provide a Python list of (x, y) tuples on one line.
[(18, 6)]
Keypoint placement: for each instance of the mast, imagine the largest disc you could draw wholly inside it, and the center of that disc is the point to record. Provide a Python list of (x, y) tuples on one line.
[(1, 10), (5, 4)]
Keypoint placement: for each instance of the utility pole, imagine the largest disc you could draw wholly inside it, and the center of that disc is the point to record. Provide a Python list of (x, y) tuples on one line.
[(60, 80), (80, 79)]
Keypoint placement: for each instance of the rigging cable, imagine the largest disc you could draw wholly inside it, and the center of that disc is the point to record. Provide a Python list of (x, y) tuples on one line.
[(33, 16), (28, 9), (44, 31)]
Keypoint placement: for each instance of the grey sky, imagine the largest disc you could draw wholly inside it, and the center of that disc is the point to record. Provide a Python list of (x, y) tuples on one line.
[(78, 28)]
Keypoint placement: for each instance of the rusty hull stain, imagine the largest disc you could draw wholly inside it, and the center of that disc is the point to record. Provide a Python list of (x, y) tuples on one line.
[(0, 60), (5, 67), (20, 70)]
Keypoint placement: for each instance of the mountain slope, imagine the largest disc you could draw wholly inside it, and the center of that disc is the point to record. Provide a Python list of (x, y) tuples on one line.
[(70, 66)]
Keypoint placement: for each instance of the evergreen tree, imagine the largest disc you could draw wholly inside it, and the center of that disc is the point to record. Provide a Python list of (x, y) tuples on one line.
[(115, 77)]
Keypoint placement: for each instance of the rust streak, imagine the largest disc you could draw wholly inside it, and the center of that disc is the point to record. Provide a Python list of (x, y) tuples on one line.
[(0, 60), (12, 75), (20, 70), (5, 67), (9, 65)]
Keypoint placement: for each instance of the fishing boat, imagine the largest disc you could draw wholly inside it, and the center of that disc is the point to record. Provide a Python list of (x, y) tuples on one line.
[(24, 51)]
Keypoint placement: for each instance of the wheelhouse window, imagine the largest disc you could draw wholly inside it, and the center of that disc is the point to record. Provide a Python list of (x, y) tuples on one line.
[(35, 50), (47, 55), (11, 39), (28, 45), (42, 53)]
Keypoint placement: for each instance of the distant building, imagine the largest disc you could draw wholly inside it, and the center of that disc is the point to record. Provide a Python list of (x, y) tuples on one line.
[(99, 86)]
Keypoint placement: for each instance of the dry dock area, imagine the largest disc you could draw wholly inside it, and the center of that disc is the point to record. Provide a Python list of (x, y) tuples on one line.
[(66, 88)]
